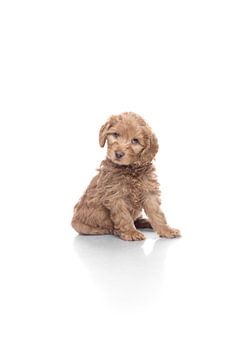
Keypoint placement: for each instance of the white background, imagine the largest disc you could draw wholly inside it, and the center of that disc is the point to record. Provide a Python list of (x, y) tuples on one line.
[(65, 66)]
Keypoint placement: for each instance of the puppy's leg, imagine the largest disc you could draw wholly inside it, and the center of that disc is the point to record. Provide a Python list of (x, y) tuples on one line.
[(157, 218), (123, 222), (142, 223), (88, 230), (89, 221)]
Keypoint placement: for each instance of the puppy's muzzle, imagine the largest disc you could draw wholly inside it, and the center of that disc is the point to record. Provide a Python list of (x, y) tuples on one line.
[(119, 154)]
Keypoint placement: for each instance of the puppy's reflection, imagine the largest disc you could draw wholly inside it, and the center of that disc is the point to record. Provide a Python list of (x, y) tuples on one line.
[(128, 272)]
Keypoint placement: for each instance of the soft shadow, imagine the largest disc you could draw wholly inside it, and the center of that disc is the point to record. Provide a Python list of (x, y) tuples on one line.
[(127, 272)]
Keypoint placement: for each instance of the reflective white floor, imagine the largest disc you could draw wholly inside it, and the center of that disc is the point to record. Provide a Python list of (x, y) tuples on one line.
[(67, 296)]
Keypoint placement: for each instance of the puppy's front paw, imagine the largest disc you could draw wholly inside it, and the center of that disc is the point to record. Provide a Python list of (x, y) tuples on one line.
[(132, 235), (167, 232)]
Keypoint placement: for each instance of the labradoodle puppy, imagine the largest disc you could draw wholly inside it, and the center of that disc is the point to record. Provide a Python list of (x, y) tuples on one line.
[(125, 185)]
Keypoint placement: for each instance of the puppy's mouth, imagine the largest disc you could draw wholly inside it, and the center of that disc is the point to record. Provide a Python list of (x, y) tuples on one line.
[(119, 161)]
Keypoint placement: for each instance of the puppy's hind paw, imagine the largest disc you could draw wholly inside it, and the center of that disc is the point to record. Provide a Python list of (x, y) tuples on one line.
[(132, 235)]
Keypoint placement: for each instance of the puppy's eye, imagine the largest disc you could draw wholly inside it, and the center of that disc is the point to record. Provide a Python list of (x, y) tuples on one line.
[(135, 141), (115, 135)]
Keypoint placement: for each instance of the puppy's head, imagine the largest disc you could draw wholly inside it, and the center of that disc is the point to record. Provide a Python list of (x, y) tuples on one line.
[(130, 140)]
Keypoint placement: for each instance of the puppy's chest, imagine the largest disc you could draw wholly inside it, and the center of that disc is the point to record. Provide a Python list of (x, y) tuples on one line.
[(133, 190)]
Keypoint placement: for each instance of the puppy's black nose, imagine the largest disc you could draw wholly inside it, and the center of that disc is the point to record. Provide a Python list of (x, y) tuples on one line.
[(119, 154)]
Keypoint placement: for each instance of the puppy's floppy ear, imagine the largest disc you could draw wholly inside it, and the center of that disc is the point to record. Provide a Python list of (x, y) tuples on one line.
[(104, 129), (151, 148)]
